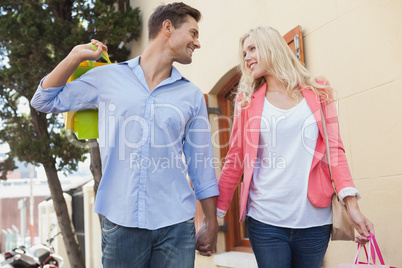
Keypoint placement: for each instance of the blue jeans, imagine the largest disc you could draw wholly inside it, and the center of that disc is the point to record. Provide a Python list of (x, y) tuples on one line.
[(279, 247), (170, 247)]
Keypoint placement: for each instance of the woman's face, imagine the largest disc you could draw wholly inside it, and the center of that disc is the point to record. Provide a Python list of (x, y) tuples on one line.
[(257, 67)]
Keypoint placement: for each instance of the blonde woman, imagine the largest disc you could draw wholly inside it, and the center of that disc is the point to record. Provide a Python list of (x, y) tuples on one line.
[(278, 145)]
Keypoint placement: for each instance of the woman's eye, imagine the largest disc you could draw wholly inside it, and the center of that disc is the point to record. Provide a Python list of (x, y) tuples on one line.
[(252, 48)]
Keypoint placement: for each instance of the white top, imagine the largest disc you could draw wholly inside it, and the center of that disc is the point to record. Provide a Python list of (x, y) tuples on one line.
[(278, 191)]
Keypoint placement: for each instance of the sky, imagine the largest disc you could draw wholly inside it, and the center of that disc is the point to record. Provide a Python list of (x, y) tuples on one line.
[(83, 167)]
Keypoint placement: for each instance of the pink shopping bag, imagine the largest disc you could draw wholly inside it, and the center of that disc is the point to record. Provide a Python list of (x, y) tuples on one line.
[(371, 257)]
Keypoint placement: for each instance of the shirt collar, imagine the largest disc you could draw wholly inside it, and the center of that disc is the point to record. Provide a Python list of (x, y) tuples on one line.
[(174, 76)]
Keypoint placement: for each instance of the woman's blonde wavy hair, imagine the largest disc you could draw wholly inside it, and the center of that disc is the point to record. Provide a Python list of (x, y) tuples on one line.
[(281, 63)]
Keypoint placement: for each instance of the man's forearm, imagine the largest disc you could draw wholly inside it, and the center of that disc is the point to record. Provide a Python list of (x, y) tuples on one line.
[(59, 76), (209, 209)]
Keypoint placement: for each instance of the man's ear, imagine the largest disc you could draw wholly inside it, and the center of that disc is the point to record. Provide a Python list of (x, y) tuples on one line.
[(167, 27)]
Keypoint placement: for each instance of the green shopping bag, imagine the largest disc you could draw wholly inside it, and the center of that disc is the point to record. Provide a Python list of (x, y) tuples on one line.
[(84, 123)]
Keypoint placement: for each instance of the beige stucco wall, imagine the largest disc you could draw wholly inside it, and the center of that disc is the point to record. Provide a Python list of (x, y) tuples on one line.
[(357, 46)]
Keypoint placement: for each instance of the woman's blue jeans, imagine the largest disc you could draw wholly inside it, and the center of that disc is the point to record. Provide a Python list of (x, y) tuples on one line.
[(168, 247), (277, 247)]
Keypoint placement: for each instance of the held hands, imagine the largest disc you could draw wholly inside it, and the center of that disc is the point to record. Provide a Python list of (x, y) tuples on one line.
[(85, 52), (362, 225), (206, 238)]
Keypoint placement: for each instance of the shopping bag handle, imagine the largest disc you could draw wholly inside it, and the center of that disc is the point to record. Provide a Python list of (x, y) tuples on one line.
[(373, 249), (104, 54), (374, 244), (368, 257)]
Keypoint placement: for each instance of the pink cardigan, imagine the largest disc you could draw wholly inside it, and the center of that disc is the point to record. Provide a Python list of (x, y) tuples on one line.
[(241, 157)]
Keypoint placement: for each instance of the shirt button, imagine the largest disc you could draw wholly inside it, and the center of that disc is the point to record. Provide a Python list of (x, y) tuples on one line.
[(145, 163)]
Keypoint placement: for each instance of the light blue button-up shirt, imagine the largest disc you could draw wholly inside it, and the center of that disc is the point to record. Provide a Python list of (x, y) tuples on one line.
[(142, 138)]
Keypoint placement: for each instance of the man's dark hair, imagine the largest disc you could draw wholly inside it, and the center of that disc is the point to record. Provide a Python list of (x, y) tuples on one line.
[(175, 12)]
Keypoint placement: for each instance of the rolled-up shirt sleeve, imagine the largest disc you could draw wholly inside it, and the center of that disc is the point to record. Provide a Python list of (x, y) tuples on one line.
[(348, 191), (220, 213), (198, 153), (80, 94)]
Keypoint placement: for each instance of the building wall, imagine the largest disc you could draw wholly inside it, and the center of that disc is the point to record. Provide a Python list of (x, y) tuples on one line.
[(48, 227), (356, 45), (11, 215)]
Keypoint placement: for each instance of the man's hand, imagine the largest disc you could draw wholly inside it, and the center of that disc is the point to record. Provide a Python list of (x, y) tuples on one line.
[(85, 52), (206, 238), (59, 76)]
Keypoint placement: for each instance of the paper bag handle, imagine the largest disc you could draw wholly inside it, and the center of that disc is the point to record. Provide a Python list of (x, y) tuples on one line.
[(104, 54)]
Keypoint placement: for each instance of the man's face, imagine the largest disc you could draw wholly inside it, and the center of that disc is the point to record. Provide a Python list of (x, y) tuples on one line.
[(184, 40)]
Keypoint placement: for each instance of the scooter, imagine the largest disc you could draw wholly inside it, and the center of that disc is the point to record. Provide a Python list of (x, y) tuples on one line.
[(19, 258), (42, 256)]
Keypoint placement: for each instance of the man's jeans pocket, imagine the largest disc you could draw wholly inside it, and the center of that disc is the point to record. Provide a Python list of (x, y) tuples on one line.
[(108, 226)]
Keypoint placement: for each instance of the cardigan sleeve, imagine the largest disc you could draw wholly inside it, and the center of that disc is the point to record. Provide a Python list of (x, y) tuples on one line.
[(339, 165), (233, 167)]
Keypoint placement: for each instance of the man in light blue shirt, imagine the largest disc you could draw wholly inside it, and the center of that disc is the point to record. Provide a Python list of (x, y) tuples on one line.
[(149, 116)]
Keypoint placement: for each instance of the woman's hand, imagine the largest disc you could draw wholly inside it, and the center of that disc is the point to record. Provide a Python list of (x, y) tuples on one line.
[(362, 225)]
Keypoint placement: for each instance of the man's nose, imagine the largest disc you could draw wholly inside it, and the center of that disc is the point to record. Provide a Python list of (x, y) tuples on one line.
[(197, 43)]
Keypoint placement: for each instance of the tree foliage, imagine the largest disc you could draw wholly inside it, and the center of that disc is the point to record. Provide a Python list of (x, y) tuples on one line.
[(35, 35)]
